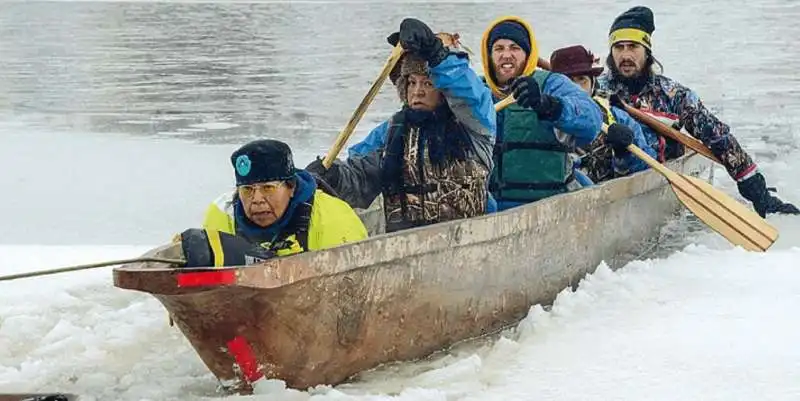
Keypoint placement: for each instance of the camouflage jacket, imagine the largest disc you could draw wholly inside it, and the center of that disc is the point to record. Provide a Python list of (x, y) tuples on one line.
[(664, 97)]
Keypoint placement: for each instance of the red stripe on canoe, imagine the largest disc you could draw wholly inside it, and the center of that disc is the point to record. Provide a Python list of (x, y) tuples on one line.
[(243, 354), (205, 279)]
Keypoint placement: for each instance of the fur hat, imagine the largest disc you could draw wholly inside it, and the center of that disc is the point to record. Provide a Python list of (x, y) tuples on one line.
[(409, 64)]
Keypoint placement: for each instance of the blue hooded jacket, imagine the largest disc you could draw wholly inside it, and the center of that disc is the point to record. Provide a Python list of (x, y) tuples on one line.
[(580, 118), (468, 99)]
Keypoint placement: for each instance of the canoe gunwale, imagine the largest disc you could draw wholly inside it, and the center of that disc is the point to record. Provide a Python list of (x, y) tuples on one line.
[(161, 278)]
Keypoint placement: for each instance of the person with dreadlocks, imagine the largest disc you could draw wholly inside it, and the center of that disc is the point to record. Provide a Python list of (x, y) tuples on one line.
[(607, 156), (431, 159), (632, 75)]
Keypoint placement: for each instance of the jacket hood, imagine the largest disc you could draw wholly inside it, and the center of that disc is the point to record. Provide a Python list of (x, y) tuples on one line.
[(486, 59)]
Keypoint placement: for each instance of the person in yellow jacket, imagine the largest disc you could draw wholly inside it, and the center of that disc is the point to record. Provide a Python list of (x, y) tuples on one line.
[(276, 206)]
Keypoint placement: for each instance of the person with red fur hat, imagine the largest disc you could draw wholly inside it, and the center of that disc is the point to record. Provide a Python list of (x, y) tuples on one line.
[(607, 156)]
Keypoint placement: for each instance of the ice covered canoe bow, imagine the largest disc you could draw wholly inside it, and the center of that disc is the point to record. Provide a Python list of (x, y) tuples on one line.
[(320, 317)]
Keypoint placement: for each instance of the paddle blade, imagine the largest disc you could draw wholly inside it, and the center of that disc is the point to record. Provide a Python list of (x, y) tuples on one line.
[(731, 219)]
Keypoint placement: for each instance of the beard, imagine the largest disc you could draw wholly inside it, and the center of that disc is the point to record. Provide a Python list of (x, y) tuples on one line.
[(634, 83), (517, 71)]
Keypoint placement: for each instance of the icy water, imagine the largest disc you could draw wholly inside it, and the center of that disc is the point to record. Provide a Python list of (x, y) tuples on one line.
[(117, 120), (129, 111)]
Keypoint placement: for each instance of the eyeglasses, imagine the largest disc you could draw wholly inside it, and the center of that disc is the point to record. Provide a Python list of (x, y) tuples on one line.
[(267, 190)]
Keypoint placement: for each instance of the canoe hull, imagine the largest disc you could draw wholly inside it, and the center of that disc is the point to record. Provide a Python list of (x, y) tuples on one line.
[(318, 318)]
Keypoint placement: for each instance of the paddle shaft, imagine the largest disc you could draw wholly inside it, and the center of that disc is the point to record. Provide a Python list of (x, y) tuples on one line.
[(669, 132), (341, 140), (541, 63), (90, 266), (509, 100), (653, 163)]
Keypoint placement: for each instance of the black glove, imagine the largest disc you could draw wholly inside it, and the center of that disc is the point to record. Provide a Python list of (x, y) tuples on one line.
[(528, 94), (755, 190), (330, 175), (235, 250), (619, 136), (416, 38)]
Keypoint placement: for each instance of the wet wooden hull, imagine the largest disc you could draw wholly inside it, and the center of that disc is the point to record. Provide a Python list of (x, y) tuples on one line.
[(320, 317)]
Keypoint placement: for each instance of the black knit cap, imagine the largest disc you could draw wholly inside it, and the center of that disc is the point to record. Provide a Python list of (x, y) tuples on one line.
[(639, 18), (513, 31), (262, 161)]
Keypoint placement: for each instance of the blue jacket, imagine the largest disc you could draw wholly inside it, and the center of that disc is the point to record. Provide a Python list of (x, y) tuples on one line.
[(467, 97), (473, 107), (580, 118)]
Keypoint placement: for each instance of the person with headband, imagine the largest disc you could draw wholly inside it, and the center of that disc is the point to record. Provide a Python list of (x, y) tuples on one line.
[(634, 77)]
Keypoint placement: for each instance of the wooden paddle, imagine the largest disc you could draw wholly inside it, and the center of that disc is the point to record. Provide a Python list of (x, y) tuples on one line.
[(731, 219), (341, 140), (90, 266), (509, 100), (665, 130), (541, 63)]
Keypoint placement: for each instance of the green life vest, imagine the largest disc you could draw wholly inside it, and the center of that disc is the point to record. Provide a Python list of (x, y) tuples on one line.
[(530, 163)]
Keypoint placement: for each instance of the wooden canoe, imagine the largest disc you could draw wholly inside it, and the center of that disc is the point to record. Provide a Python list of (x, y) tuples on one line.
[(320, 317)]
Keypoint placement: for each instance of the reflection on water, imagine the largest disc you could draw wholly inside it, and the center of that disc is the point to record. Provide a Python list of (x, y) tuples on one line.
[(224, 72)]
